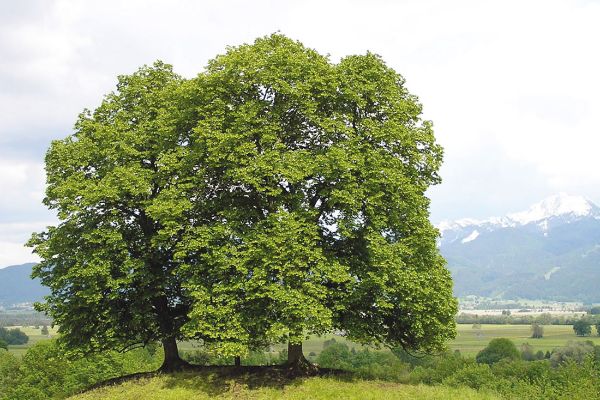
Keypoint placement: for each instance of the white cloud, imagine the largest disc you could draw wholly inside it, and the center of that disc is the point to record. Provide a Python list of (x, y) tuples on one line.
[(13, 237), (511, 86)]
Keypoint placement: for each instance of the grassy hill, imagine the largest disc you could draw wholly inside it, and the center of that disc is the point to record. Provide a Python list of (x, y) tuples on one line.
[(205, 385)]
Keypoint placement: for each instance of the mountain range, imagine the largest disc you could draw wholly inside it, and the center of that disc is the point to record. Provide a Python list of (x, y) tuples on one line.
[(550, 251), (17, 287)]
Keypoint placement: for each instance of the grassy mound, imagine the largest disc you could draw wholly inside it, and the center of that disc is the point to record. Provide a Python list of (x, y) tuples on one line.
[(215, 385)]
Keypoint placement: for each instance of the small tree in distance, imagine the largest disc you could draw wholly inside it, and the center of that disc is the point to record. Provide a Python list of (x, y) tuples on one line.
[(595, 310), (582, 327), (537, 331), (44, 330)]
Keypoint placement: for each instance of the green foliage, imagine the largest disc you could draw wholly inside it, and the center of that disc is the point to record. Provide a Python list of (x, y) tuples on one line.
[(582, 327), (335, 355), (44, 330), (516, 379), (498, 349), (200, 357), (13, 336), (413, 359), (574, 351), (439, 368), (323, 167), (204, 357), (9, 370), (472, 375), (3, 344), (363, 363), (274, 196), (527, 353), (109, 262), (45, 373)]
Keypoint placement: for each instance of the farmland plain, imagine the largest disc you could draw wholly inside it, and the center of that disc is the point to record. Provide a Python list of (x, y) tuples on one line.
[(468, 341)]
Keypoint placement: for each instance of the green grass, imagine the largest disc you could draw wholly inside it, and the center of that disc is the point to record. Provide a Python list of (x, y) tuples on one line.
[(201, 386)]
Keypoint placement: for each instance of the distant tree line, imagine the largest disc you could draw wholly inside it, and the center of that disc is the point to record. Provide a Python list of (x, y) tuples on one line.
[(26, 318), (542, 319)]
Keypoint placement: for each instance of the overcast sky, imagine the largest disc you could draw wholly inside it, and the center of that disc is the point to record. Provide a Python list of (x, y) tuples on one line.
[(512, 87)]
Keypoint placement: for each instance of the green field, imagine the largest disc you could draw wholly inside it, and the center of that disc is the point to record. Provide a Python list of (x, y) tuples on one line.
[(208, 386), (469, 341)]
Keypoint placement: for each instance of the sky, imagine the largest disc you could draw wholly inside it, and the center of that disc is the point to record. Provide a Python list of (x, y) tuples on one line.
[(511, 86)]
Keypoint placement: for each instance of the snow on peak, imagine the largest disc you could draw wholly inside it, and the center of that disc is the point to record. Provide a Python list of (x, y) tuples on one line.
[(471, 237), (555, 205)]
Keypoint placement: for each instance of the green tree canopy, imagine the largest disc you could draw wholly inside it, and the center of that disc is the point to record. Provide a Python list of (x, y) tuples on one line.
[(13, 336), (582, 327), (325, 166), (274, 196), (109, 263), (498, 349)]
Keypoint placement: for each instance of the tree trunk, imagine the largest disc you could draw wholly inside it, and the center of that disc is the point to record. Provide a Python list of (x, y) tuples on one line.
[(297, 363), (295, 354), (238, 361), (172, 361)]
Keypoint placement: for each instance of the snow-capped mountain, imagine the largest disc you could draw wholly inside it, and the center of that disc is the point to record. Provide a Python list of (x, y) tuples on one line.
[(551, 251), (556, 208)]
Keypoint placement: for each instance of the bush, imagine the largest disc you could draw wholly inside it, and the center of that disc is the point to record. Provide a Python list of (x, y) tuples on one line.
[(473, 375), (574, 351), (335, 356), (197, 357), (9, 369), (412, 359), (527, 353), (439, 369), (497, 350), (45, 372), (363, 363)]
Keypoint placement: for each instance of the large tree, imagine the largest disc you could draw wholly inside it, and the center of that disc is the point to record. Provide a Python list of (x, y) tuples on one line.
[(274, 196), (109, 263), (325, 167)]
